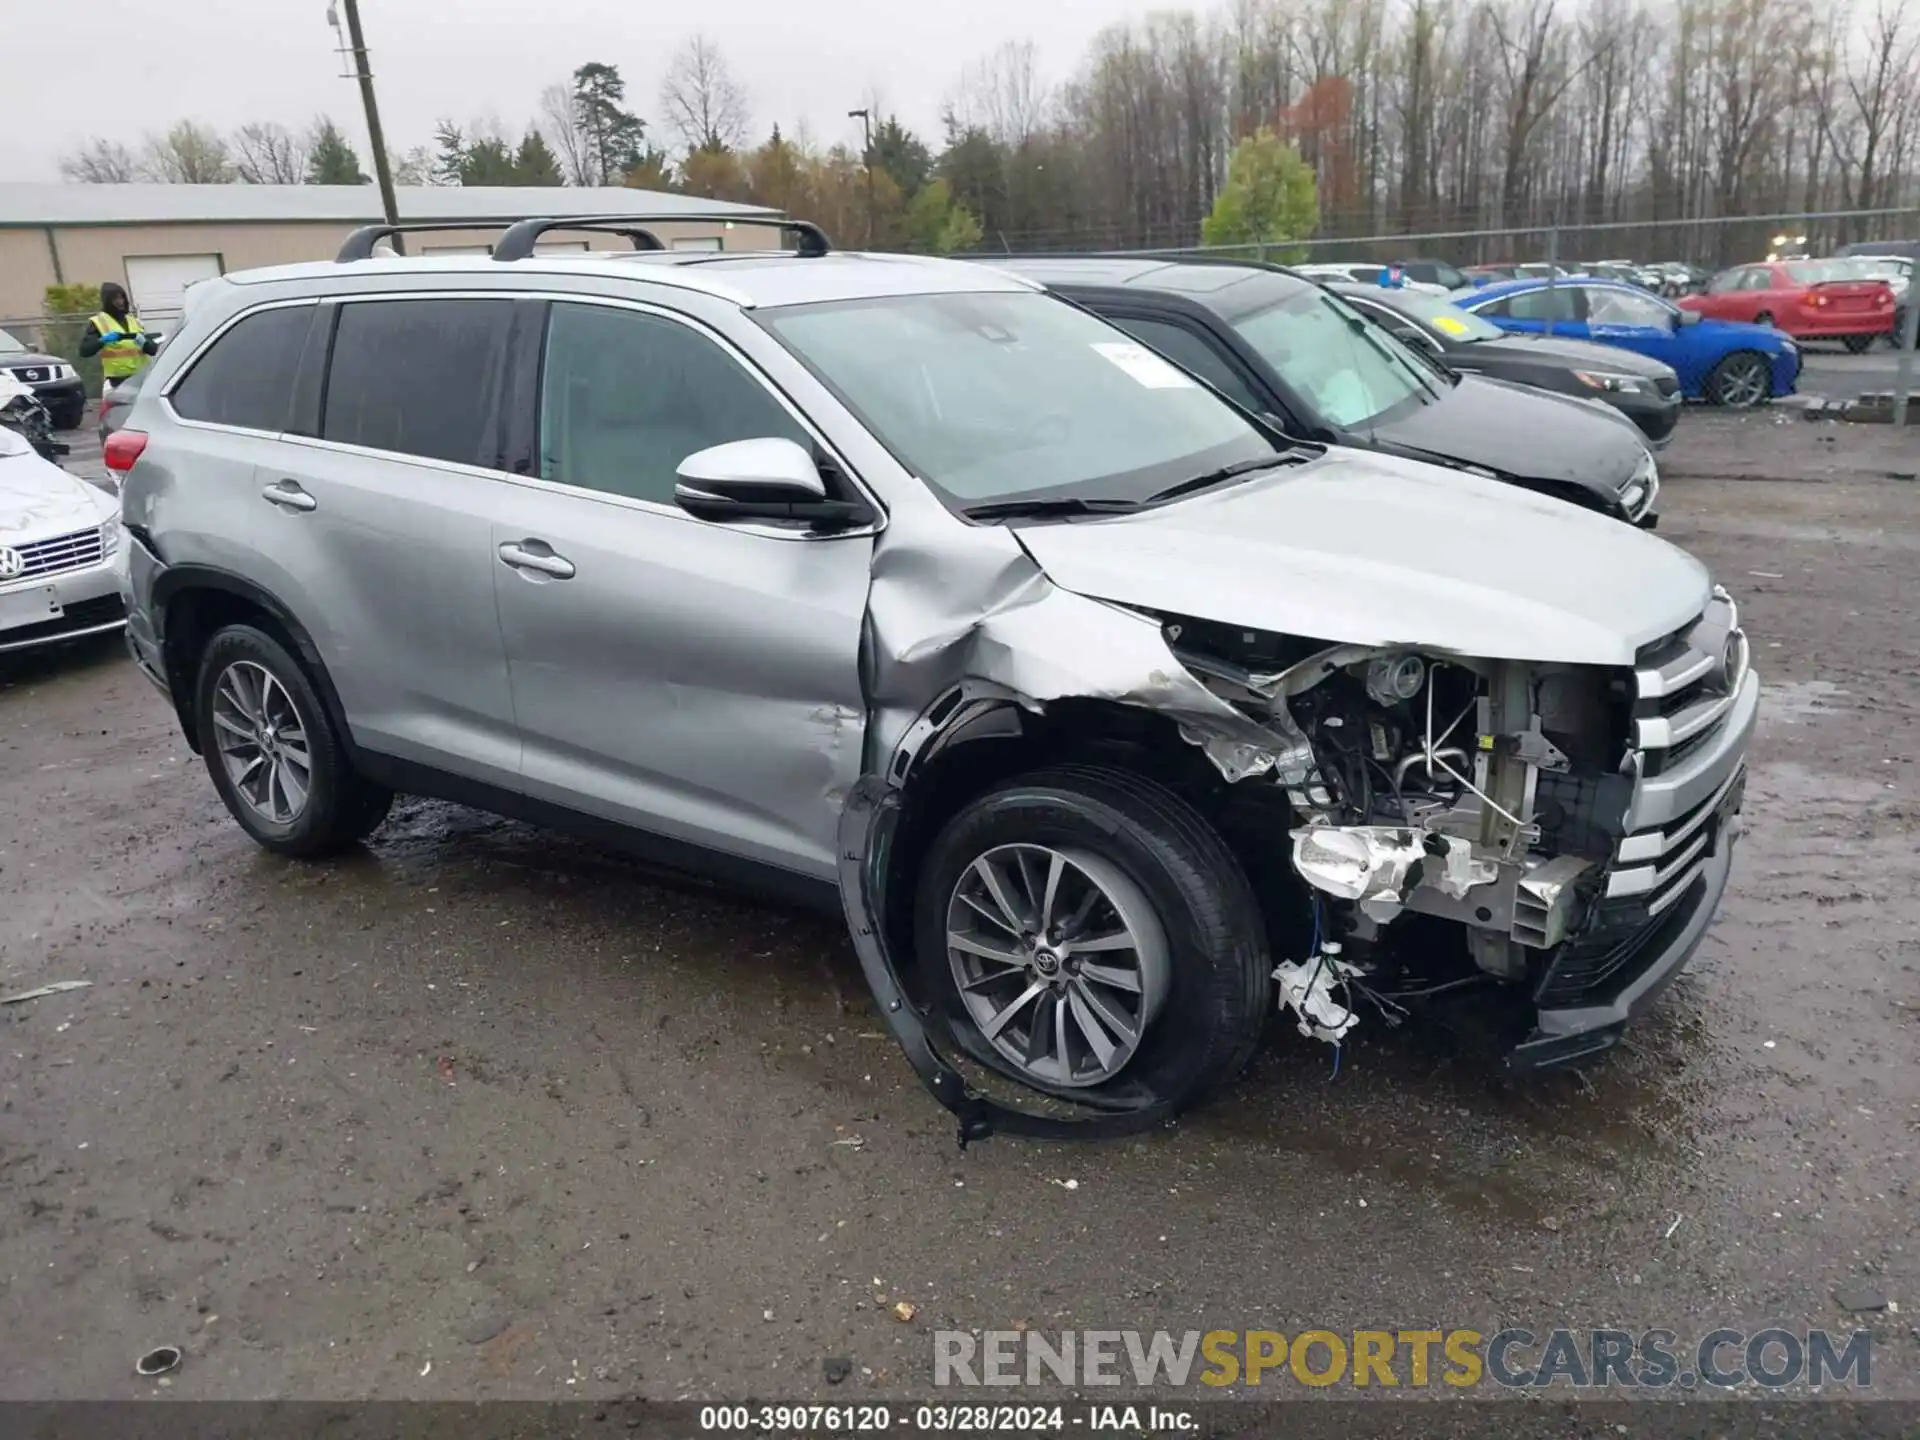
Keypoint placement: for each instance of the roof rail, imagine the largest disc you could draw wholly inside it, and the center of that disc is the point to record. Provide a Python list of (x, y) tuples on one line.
[(521, 237)]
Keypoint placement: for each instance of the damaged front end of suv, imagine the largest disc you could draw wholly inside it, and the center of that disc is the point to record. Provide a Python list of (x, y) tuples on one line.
[(1415, 818)]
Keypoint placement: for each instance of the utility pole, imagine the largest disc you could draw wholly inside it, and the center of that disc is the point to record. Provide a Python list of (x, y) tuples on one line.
[(865, 117), (382, 171)]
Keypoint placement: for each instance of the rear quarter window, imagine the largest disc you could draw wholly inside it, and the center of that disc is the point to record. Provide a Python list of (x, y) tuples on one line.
[(245, 378)]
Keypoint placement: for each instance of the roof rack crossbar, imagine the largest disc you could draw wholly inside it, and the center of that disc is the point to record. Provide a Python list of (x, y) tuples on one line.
[(519, 241), (359, 245)]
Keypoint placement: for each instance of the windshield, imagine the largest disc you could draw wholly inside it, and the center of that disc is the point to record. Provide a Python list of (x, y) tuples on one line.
[(1439, 314), (1351, 371), (10, 346), (989, 397)]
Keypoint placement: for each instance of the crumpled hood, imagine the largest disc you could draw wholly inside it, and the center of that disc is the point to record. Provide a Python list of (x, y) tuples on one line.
[(1523, 432), (39, 499), (1361, 548)]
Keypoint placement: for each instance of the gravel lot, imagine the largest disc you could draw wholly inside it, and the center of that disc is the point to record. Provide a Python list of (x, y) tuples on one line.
[(481, 1112)]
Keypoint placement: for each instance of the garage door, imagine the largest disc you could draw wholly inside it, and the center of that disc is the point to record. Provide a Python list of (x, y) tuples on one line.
[(545, 247), (159, 284)]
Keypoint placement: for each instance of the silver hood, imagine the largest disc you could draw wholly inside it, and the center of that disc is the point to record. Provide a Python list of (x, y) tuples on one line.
[(38, 499), (1367, 549)]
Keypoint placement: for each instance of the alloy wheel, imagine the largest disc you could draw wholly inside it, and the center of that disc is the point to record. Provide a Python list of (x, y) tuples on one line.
[(1059, 960), (1743, 383), (262, 742)]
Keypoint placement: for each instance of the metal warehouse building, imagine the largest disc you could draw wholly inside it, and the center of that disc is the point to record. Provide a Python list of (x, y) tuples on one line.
[(158, 239)]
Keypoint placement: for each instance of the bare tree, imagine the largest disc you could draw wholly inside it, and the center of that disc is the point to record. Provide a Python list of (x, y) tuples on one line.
[(704, 104), (189, 153), (269, 154), (560, 123), (100, 162)]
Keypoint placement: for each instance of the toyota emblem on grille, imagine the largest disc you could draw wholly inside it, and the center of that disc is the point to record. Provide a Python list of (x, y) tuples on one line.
[(12, 562)]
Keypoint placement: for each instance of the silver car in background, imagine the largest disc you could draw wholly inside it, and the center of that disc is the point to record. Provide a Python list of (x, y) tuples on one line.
[(1104, 715), (59, 544)]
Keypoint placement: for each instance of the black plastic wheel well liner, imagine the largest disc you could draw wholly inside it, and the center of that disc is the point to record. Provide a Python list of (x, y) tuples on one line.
[(890, 821), (194, 602)]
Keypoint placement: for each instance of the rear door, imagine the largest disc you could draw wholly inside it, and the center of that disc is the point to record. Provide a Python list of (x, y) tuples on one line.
[(376, 522), (697, 680)]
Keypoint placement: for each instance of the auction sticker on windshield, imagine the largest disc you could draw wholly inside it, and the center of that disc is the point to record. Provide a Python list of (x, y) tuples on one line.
[(1449, 326), (1143, 365)]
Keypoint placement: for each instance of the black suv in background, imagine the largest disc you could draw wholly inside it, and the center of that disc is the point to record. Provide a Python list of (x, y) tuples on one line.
[(1644, 390), (53, 381), (1294, 353)]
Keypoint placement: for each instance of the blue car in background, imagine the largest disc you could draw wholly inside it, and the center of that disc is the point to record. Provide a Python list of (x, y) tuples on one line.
[(1720, 361)]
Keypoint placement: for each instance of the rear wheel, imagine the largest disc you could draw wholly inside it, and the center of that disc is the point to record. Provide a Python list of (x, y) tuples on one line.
[(1858, 344), (1740, 381), (1087, 932), (272, 752)]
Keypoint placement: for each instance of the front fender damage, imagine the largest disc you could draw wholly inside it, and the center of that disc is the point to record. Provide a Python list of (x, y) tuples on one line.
[(930, 671)]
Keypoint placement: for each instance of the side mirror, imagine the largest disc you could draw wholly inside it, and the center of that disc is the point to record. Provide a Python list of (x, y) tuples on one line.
[(768, 479)]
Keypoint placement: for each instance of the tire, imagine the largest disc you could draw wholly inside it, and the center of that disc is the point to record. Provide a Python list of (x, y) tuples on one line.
[(70, 418), (1859, 344), (244, 673), (1765, 317), (1198, 1012), (1740, 381)]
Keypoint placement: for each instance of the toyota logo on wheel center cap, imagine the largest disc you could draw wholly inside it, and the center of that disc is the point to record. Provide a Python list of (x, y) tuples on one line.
[(12, 562)]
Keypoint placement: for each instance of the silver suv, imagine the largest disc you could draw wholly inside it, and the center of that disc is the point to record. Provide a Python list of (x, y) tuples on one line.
[(1105, 716)]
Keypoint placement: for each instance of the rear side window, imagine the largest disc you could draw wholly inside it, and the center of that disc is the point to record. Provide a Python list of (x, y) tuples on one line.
[(1548, 303), (416, 377), (246, 377)]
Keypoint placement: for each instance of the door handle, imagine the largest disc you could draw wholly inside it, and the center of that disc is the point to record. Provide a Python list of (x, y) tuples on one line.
[(547, 563), (289, 496)]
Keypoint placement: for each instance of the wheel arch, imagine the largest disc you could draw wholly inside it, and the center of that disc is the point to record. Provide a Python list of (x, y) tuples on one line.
[(195, 602)]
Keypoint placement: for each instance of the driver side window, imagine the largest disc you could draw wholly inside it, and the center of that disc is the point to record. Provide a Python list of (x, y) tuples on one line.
[(627, 396), (1622, 307), (1726, 280)]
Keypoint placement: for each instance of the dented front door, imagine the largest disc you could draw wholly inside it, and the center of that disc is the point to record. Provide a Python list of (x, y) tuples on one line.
[(694, 680)]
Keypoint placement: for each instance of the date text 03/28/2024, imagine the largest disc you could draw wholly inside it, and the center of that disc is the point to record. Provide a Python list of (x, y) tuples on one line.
[(961, 1418)]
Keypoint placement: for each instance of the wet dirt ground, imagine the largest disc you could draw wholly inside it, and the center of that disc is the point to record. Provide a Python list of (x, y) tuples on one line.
[(483, 1112)]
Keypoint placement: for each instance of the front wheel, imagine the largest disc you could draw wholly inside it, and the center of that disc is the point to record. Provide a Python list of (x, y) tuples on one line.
[(272, 752), (1086, 931), (1740, 381), (1858, 344)]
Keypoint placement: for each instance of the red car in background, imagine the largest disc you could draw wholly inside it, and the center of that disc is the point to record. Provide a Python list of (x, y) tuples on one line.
[(1808, 299)]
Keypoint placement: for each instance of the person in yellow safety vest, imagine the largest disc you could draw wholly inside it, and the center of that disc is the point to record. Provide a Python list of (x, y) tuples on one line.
[(117, 337)]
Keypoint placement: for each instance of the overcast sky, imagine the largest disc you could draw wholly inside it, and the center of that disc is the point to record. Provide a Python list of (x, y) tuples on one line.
[(227, 62)]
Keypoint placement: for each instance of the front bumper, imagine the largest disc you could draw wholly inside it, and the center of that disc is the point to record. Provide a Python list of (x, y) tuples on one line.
[(1655, 415), (45, 610), (1638, 966)]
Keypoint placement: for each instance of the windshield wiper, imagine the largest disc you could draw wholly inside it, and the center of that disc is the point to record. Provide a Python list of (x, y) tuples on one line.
[(1041, 508), (1224, 473)]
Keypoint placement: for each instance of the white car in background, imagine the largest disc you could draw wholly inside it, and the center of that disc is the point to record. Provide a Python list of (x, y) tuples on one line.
[(1362, 275), (59, 543)]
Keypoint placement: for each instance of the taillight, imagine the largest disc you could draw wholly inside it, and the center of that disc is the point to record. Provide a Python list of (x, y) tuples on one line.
[(123, 447)]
